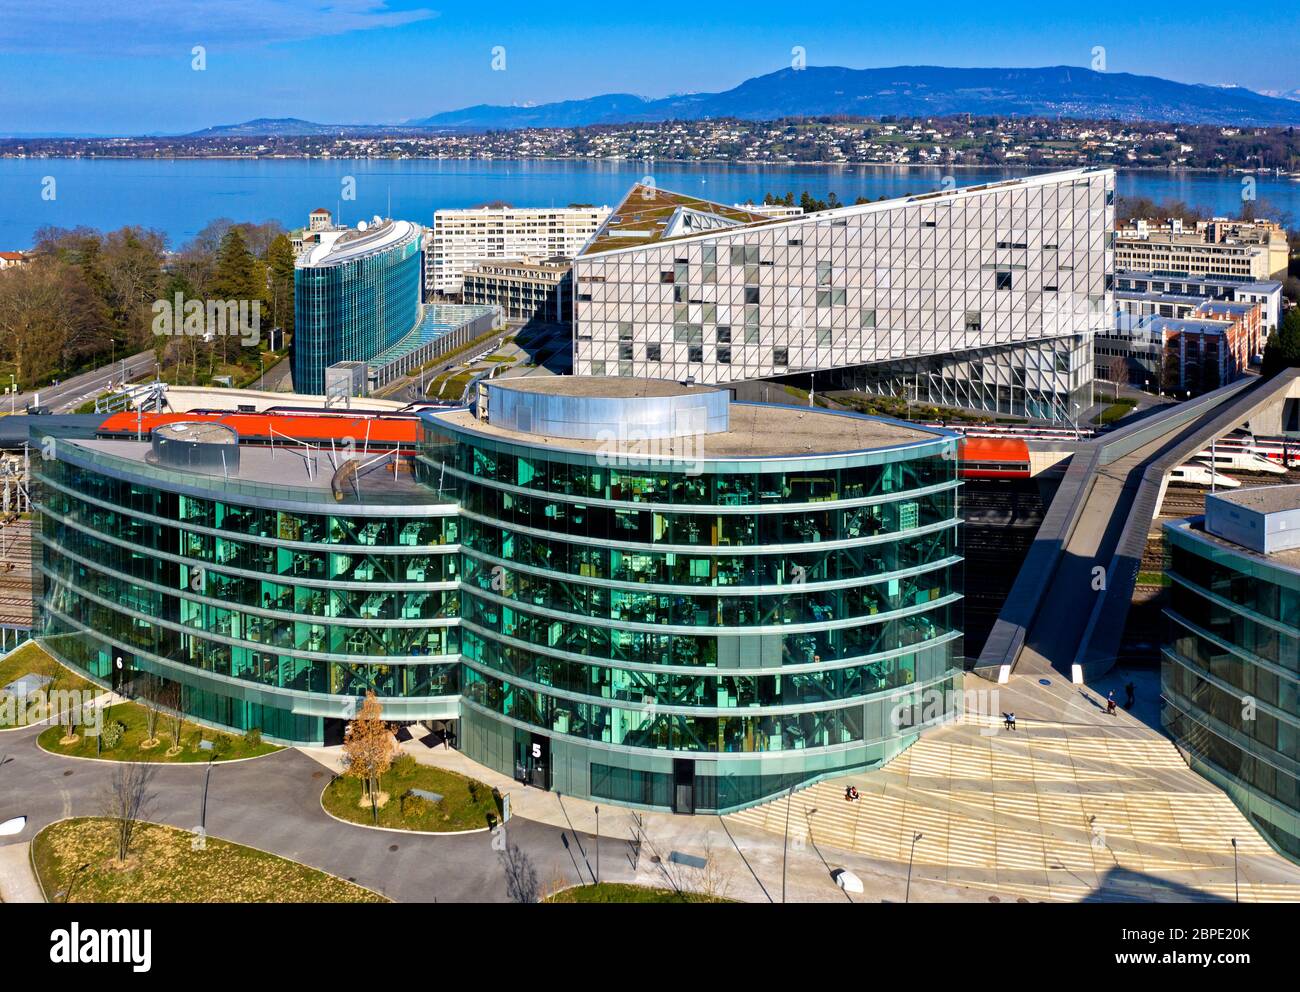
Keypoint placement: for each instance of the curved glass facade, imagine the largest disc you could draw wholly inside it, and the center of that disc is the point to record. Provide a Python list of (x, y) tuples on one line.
[(1230, 676), (699, 634), (273, 617), (682, 633), (354, 308)]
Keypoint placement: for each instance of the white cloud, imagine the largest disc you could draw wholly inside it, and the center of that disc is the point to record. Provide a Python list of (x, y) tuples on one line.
[(110, 28)]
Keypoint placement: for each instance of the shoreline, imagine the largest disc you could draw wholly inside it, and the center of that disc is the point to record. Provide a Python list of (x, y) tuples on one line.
[(719, 162)]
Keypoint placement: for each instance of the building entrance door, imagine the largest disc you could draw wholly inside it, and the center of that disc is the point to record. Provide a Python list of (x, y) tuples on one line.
[(533, 759), (683, 785)]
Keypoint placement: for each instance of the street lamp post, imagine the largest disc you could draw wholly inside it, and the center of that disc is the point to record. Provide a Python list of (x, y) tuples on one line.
[(597, 845), (789, 801), (72, 882), (910, 858), (1236, 886)]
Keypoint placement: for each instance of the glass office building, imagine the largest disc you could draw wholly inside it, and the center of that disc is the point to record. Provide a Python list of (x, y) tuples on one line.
[(1230, 673), (275, 605), (356, 294), (633, 591), (675, 601)]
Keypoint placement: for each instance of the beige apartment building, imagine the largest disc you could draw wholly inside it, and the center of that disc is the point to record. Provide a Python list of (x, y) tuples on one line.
[(463, 238), (1218, 247)]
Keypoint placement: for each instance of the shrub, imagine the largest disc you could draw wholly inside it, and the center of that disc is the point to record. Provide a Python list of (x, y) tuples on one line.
[(253, 737), (404, 765), (415, 806), (113, 733)]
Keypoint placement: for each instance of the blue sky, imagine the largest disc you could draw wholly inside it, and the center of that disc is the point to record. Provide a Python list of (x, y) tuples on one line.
[(125, 66)]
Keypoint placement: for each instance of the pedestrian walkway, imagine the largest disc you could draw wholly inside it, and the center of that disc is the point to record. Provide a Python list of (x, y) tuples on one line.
[(17, 880), (1074, 804)]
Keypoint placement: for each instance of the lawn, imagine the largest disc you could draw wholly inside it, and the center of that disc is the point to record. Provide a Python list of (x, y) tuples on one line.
[(1115, 411), (32, 659), (167, 866), (618, 892), (227, 747), (467, 804)]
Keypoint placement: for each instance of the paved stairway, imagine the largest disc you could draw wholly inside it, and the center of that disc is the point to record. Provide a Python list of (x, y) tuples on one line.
[(1072, 805)]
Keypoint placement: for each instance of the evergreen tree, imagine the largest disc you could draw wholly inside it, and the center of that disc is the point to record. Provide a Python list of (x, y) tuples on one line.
[(235, 277), (279, 258), (1283, 348)]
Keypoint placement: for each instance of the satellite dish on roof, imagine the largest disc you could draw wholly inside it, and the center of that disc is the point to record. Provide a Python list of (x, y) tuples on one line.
[(361, 225)]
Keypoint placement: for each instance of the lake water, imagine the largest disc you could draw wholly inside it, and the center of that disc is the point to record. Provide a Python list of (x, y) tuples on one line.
[(180, 197)]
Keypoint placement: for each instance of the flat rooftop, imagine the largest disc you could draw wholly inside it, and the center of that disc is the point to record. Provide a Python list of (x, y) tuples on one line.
[(756, 431), (285, 468), (1263, 499), (1289, 559)]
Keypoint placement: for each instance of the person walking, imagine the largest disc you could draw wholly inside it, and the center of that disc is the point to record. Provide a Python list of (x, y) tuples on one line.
[(1110, 703)]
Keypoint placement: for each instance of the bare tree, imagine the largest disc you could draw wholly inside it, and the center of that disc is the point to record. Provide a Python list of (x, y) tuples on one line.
[(369, 748), (126, 800), (172, 703), (521, 876), (1117, 371), (152, 698), (69, 719)]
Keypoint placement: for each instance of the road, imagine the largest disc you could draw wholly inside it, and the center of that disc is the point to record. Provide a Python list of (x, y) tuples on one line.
[(71, 393)]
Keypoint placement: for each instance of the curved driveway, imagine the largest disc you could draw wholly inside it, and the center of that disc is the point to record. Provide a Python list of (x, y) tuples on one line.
[(273, 803)]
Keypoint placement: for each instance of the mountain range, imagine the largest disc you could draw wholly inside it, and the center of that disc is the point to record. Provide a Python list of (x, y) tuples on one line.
[(904, 91)]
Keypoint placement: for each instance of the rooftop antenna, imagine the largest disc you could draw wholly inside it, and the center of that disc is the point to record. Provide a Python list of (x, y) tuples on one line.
[(390, 201)]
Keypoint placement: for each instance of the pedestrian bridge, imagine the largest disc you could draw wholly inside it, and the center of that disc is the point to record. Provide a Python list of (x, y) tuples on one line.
[(1067, 608)]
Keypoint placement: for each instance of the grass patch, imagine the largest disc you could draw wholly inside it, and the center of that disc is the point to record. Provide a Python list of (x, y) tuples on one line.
[(900, 409), (32, 659), (1118, 410), (164, 867), (467, 804), (619, 892), (226, 747), (1152, 579), (450, 386)]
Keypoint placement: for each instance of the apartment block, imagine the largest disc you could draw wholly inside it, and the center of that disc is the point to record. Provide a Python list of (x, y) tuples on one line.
[(462, 238), (1220, 247)]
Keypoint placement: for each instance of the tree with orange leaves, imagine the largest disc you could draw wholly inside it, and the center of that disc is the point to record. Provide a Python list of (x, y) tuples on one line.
[(369, 748)]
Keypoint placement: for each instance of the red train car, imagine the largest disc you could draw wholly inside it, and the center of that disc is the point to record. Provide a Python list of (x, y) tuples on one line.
[(376, 433), (992, 458)]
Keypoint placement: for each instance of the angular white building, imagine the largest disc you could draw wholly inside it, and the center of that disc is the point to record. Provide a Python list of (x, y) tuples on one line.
[(984, 297)]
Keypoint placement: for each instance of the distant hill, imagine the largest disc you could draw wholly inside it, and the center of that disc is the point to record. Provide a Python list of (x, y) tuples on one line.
[(903, 91), (909, 91), (291, 127)]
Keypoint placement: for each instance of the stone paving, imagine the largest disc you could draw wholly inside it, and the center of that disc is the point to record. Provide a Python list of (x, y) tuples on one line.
[(1074, 804)]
